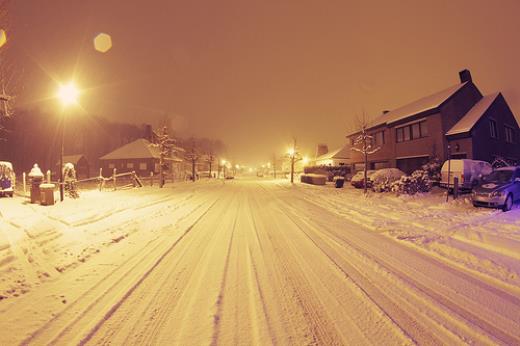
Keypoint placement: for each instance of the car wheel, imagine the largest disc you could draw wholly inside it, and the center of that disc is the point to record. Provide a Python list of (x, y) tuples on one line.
[(508, 204)]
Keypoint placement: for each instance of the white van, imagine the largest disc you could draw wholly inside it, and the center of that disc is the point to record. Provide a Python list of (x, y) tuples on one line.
[(468, 172)]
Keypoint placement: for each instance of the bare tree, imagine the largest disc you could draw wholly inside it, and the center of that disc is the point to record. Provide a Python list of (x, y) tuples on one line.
[(165, 144), (9, 74), (210, 158), (364, 145), (193, 156), (294, 156)]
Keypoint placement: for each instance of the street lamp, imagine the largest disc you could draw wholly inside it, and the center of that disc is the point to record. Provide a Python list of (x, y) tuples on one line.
[(223, 164), (68, 95)]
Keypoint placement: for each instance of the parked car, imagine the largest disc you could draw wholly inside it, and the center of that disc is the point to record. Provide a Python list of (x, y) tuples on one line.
[(386, 174), (468, 172), (500, 189), (7, 179), (358, 180)]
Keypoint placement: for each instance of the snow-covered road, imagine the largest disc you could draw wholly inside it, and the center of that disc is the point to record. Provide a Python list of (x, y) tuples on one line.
[(249, 262)]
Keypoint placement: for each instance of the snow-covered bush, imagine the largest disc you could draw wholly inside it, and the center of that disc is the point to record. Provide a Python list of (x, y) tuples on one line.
[(433, 169), (419, 181), (383, 179)]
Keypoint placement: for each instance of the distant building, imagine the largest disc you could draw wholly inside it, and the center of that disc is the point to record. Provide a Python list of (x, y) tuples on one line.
[(80, 163), (338, 157), (458, 120), (140, 156)]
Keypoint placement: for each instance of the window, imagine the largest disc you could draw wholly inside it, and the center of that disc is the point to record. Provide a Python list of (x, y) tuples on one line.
[(406, 133), (416, 131), (379, 138), (510, 134), (399, 134), (413, 131), (493, 128), (111, 166), (142, 166), (424, 129), (130, 165)]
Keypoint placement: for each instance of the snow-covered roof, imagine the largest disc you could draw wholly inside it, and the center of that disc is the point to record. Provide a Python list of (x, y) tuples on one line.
[(421, 105), (473, 115), (340, 153), (138, 149)]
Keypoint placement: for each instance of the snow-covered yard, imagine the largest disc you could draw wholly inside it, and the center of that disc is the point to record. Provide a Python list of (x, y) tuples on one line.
[(485, 240)]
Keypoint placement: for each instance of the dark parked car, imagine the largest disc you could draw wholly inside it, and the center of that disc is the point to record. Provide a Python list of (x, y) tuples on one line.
[(7, 179), (500, 189)]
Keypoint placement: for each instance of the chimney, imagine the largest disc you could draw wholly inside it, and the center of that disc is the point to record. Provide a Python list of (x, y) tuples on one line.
[(148, 134), (321, 149), (386, 111), (465, 76)]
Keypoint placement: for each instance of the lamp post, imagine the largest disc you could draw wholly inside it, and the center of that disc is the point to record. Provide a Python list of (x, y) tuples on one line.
[(68, 95)]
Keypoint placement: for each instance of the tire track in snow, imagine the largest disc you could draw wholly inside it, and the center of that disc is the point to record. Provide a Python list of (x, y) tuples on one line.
[(74, 317), (142, 278), (220, 298), (448, 303)]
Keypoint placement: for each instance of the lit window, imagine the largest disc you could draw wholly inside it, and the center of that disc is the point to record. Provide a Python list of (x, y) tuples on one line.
[(142, 166), (130, 165), (111, 166)]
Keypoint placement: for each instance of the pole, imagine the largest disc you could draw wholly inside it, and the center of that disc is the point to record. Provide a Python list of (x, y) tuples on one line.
[(449, 168), (61, 157), (292, 169)]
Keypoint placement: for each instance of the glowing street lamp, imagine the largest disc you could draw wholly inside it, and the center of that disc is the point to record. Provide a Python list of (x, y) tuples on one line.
[(68, 95)]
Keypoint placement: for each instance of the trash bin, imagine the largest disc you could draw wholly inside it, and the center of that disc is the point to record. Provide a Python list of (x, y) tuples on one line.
[(36, 177), (339, 181), (47, 194)]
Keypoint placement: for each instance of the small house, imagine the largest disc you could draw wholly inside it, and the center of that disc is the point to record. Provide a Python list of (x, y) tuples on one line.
[(140, 156)]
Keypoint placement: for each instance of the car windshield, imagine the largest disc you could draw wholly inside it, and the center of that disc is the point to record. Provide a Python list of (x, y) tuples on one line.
[(499, 177)]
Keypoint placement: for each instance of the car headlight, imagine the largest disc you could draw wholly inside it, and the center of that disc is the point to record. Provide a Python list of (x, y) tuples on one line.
[(497, 194)]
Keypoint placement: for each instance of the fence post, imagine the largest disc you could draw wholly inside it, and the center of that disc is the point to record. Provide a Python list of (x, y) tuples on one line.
[(455, 187), (48, 176), (151, 178), (115, 179), (24, 183), (100, 178)]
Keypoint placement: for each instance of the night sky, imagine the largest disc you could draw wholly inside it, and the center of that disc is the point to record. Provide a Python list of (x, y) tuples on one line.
[(257, 73)]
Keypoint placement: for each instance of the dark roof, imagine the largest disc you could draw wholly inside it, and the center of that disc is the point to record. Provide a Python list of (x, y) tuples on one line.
[(469, 120)]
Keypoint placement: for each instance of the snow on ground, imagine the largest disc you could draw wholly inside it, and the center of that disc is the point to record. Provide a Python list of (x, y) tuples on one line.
[(485, 240), (258, 262), (37, 243)]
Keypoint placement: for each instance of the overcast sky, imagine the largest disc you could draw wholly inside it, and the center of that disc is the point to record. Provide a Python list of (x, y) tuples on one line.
[(257, 73)]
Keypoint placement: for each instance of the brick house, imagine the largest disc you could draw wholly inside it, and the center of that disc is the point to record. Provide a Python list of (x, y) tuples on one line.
[(458, 121)]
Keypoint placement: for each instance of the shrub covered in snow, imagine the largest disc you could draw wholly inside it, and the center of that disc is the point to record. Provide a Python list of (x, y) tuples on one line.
[(383, 179), (433, 169), (419, 181)]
